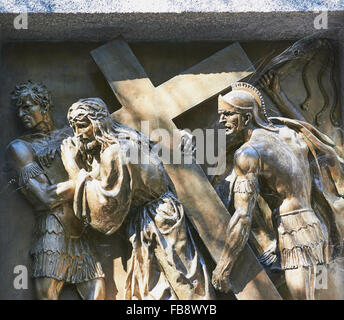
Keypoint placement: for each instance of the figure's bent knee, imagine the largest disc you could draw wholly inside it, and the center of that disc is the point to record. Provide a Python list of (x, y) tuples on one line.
[(92, 289), (48, 288)]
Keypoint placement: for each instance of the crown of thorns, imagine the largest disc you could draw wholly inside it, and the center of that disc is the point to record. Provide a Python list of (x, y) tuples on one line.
[(92, 108)]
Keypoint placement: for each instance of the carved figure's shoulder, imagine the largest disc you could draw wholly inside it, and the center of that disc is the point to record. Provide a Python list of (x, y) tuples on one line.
[(246, 159), (19, 153)]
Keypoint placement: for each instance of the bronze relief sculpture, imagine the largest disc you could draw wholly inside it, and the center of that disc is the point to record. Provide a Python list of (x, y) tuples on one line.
[(302, 82), (276, 175), (285, 182), (61, 252), (110, 188)]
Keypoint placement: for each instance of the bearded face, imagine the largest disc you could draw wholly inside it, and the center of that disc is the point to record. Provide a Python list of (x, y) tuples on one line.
[(83, 130)]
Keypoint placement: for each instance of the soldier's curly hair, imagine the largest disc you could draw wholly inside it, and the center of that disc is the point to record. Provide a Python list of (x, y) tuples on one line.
[(38, 93)]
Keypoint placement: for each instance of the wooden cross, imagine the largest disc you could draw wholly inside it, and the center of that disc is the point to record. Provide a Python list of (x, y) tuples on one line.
[(140, 100)]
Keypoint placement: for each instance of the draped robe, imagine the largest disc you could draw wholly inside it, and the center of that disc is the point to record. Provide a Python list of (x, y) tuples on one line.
[(165, 262)]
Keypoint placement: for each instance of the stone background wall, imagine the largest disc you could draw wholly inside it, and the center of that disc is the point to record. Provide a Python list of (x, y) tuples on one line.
[(174, 21)]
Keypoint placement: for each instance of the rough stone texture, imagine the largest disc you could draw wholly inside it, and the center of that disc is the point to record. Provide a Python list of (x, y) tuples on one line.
[(124, 6), (187, 26)]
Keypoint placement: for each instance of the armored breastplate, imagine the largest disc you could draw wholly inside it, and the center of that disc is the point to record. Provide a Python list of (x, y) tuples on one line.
[(46, 148)]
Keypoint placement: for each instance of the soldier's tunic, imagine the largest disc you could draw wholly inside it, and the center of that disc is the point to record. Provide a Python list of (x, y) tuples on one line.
[(309, 236), (58, 251)]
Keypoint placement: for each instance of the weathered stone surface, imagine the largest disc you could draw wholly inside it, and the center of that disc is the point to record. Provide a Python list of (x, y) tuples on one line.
[(186, 26), (124, 6)]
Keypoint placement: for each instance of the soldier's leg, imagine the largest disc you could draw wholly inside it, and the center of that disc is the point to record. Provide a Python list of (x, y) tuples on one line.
[(92, 290), (48, 288), (301, 283)]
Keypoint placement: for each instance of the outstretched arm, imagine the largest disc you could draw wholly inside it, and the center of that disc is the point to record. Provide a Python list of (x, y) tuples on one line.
[(245, 193)]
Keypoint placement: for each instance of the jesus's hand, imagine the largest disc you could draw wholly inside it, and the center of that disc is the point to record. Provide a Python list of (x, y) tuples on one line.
[(69, 152)]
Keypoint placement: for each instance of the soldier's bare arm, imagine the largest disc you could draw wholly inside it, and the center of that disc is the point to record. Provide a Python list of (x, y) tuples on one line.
[(31, 178), (246, 163)]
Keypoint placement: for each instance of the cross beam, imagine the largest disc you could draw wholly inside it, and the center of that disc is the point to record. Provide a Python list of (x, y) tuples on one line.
[(140, 100)]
